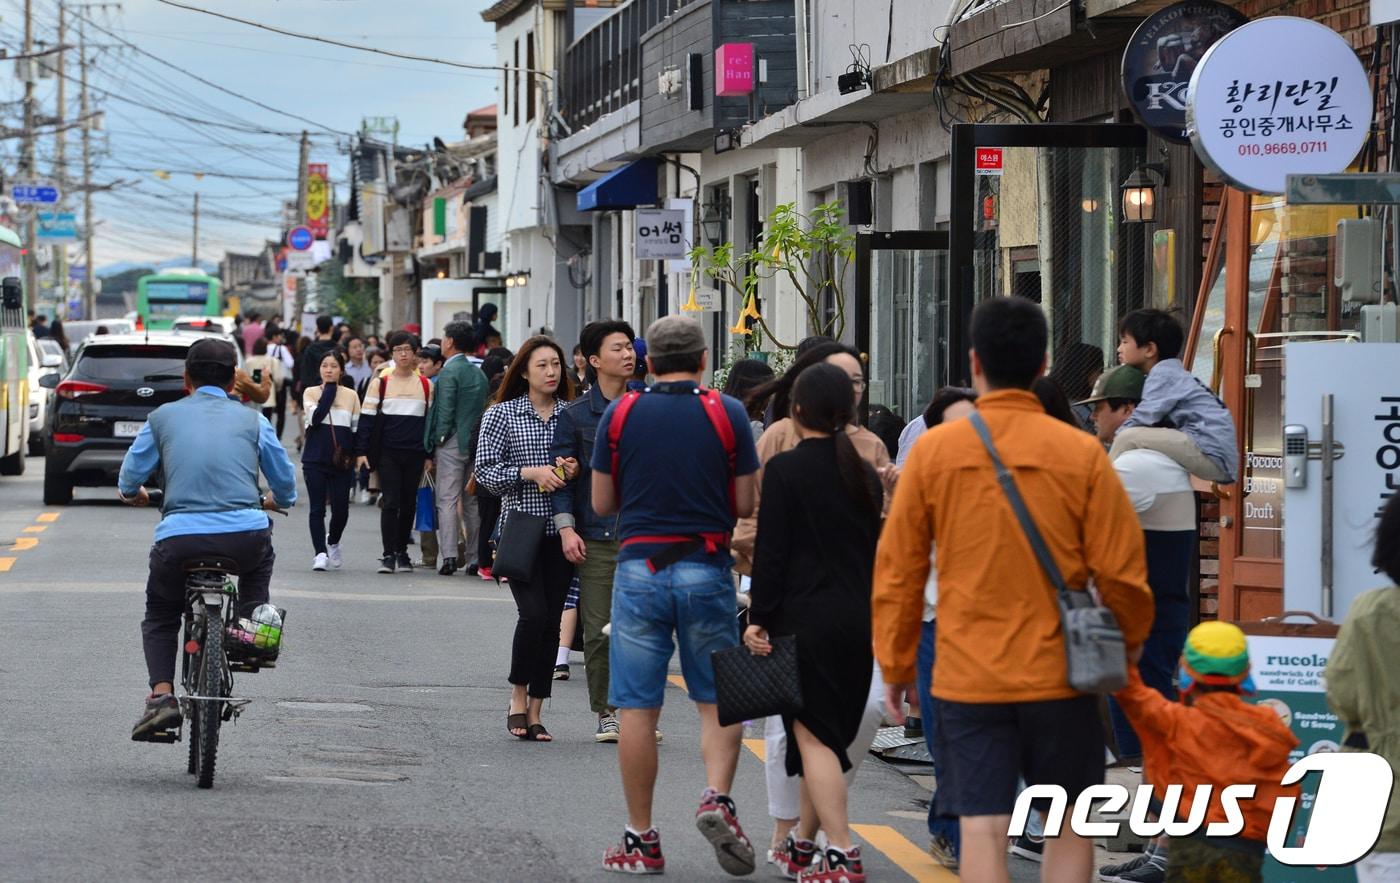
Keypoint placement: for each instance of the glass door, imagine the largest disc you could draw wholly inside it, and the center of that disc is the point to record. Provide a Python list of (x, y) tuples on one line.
[(902, 316)]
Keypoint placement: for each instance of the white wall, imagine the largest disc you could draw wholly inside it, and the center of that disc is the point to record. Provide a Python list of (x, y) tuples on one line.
[(518, 146), (836, 24)]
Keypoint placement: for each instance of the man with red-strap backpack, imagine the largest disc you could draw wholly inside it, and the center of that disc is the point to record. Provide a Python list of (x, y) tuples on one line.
[(677, 461)]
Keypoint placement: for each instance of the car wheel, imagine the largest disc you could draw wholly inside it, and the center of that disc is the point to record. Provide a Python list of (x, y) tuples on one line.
[(58, 487), (13, 464)]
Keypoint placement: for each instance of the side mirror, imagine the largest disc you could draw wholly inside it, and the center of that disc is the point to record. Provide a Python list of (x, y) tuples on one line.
[(12, 293), (49, 381)]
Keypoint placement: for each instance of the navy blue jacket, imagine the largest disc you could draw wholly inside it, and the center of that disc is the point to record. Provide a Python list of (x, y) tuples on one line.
[(574, 436)]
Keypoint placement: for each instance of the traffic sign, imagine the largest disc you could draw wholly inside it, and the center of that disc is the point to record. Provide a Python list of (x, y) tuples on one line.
[(34, 193), (57, 227), (300, 238)]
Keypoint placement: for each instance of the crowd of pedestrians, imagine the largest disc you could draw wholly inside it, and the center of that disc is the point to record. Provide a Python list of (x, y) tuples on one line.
[(896, 560)]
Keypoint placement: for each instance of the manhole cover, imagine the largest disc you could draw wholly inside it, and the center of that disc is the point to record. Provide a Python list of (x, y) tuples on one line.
[(362, 754), (334, 776), (304, 705), (331, 723)]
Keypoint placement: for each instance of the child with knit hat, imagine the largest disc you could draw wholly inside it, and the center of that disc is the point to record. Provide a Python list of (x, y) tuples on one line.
[(1212, 736)]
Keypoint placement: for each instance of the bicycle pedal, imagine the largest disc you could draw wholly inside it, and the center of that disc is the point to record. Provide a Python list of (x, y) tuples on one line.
[(166, 736)]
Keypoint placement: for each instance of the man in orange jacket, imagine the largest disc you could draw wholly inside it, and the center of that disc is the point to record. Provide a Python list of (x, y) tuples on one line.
[(1006, 708)]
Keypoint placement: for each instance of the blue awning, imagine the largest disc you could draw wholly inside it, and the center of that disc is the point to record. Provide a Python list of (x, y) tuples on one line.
[(628, 187)]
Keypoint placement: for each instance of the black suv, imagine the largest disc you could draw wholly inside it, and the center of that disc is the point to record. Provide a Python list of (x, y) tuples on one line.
[(102, 403)]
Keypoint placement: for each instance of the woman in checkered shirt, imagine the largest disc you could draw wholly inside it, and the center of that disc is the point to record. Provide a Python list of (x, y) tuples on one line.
[(513, 462)]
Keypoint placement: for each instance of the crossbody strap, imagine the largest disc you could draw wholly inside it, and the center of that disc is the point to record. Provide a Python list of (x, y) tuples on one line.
[(1018, 505)]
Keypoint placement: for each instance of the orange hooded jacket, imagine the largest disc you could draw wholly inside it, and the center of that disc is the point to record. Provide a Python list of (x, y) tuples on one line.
[(1218, 740)]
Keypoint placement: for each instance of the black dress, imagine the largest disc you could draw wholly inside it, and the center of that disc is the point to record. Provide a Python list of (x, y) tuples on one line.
[(813, 561)]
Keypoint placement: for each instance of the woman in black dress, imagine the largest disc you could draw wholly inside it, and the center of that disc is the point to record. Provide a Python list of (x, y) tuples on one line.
[(811, 578)]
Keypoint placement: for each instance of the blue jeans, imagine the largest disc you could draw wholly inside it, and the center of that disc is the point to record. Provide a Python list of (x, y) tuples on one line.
[(1160, 654), (688, 603), (938, 825)]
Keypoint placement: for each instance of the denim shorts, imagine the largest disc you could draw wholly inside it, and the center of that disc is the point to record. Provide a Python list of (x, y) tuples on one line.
[(687, 602)]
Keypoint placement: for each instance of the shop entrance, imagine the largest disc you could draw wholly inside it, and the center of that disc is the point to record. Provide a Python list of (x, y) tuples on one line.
[(902, 316), (1036, 213)]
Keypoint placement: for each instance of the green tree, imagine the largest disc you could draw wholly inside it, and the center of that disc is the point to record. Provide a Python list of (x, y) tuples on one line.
[(357, 300)]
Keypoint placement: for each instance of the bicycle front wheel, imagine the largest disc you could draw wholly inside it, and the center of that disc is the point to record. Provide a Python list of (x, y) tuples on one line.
[(204, 737)]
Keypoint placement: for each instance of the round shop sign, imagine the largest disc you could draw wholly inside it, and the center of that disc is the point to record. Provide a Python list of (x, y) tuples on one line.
[(1159, 59), (1276, 97)]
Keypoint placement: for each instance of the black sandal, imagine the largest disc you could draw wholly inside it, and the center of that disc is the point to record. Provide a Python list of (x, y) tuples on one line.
[(517, 722), (535, 731)]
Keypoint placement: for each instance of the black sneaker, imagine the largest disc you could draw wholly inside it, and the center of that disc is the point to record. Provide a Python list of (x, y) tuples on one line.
[(1139, 870), (386, 564), (1029, 848), (162, 713), (402, 562)]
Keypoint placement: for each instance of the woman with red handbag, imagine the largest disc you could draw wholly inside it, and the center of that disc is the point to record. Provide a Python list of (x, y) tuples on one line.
[(328, 459)]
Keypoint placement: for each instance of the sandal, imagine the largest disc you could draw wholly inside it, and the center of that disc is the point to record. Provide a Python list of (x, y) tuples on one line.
[(537, 733), (516, 721)]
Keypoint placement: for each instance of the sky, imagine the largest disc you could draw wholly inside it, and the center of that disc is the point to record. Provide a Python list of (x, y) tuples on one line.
[(149, 219)]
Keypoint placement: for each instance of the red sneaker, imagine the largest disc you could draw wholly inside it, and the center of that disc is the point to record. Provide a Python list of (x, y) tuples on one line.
[(638, 854), (718, 820), (835, 866), (794, 856), (485, 573)]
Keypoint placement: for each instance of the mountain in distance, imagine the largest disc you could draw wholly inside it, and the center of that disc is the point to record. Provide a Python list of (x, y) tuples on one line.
[(127, 266)]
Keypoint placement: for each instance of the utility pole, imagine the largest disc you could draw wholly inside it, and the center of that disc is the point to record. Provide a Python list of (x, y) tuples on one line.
[(304, 157), (60, 163), (195, 249), (31, 266), (89, 296)]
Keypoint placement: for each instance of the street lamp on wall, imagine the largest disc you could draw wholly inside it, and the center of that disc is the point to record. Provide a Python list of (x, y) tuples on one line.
[(518, 280), (1140, 193), (714, 218)]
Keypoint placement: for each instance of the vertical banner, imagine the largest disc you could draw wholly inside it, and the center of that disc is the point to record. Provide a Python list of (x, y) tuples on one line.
[(318, 201)]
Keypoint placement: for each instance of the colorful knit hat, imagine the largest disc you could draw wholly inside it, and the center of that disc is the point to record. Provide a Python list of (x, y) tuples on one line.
[(1216, 654)]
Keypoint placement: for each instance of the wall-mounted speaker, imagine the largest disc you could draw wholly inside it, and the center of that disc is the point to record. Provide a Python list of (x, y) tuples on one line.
[(859, 197)]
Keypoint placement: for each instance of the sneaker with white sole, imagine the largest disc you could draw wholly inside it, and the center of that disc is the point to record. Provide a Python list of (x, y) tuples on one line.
[(334, 556), (321, 561), (718, 820), (1146, 868), (637, 854), (1029, 848), (608, 729), (835, 865), (793, 857)]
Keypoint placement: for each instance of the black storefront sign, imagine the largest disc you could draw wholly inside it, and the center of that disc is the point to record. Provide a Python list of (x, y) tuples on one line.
[(1159, 59)]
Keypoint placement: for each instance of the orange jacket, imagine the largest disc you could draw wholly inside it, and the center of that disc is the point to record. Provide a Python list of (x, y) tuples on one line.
[(1218, 740), (999, 637)]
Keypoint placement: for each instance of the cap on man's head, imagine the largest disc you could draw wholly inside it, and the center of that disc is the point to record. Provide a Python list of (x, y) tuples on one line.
[(212, 351), (1120, 382), (674, 336)]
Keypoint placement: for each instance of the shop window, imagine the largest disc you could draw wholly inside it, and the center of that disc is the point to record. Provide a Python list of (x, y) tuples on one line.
[(530, 76), (515, 83)]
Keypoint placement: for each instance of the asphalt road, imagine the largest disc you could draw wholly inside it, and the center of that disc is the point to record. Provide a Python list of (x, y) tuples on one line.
[(376, 750)]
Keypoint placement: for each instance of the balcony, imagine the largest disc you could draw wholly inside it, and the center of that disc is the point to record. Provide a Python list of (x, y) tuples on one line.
[(602, 68)]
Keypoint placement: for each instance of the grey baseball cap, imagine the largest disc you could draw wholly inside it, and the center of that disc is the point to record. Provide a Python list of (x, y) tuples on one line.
[(674, 336)]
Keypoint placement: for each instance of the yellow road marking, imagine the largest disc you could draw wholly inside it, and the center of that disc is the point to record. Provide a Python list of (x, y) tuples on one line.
[(677, 680), (36, 528), (758, 746), (24, 544), (911, 859), (48, 517), (6, 564)]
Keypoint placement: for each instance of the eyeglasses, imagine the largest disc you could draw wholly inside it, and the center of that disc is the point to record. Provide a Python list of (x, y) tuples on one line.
[(404, 350), (858, 382)]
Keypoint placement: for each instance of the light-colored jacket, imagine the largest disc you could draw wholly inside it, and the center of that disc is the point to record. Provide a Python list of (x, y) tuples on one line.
[(1363, 688), (1174, 394)]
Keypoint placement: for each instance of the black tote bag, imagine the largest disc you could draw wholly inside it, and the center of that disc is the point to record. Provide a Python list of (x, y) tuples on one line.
[(750, 687), (519, 546)]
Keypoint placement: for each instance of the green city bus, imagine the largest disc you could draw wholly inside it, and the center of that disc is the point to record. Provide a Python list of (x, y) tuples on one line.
[(14, 356), (162, 297)]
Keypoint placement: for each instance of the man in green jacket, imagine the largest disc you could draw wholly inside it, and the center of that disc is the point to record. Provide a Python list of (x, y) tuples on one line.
[(458, 400)]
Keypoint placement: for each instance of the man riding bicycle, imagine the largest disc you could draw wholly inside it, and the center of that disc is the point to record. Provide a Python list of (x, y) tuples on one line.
[(208, 448)]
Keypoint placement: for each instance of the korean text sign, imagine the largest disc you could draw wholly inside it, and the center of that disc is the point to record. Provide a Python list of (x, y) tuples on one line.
[(661, 234), (1276, 97)]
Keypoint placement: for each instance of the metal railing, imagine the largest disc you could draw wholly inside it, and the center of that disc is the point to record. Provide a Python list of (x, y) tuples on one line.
[(602, 68)]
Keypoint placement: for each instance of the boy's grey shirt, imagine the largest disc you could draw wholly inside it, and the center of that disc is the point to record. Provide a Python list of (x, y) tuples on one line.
[(1174, 396)]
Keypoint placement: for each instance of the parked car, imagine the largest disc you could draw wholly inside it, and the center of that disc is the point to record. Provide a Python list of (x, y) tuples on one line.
[(102, 402), (80, 329), (45, 357)]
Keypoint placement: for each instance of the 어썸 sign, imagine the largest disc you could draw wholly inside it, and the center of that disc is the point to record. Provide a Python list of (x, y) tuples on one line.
[(1277, 97)]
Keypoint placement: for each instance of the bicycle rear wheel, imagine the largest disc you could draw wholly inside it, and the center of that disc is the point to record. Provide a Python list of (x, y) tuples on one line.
[(204, 734)]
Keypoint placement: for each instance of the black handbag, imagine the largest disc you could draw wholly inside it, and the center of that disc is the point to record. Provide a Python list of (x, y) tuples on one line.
[(519, 546), (750, 687)]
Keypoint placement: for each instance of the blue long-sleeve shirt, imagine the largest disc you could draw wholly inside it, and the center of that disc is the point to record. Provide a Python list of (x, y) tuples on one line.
[(143, 459), (1174, 396), (574, 437)]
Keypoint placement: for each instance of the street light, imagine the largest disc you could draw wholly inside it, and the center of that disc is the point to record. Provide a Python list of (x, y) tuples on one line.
[(715, 216), (1140, 193)]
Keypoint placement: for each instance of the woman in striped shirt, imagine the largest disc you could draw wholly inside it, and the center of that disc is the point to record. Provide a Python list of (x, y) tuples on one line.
[(332, 416), (390, 440), (513, 462)]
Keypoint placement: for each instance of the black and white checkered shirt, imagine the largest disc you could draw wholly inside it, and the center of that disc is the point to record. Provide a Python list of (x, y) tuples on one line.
[(514, 437)]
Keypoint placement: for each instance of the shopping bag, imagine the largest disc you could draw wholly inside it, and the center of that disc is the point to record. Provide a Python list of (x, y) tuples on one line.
[(426, 516)]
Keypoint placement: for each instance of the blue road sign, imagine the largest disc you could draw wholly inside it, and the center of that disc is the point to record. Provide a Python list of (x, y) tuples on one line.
[(42, 194), (57, 227), (300, 238)]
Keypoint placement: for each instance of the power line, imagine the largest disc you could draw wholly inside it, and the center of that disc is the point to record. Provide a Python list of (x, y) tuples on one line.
[(355, 46)]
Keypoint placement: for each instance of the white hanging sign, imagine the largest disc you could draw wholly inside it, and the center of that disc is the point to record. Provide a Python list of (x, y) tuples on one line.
[(1276, 97)]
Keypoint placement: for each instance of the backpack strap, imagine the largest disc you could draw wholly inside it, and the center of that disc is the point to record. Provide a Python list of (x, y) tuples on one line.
[(619, 419), (383, 385), (713, 405), (427, 387)]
